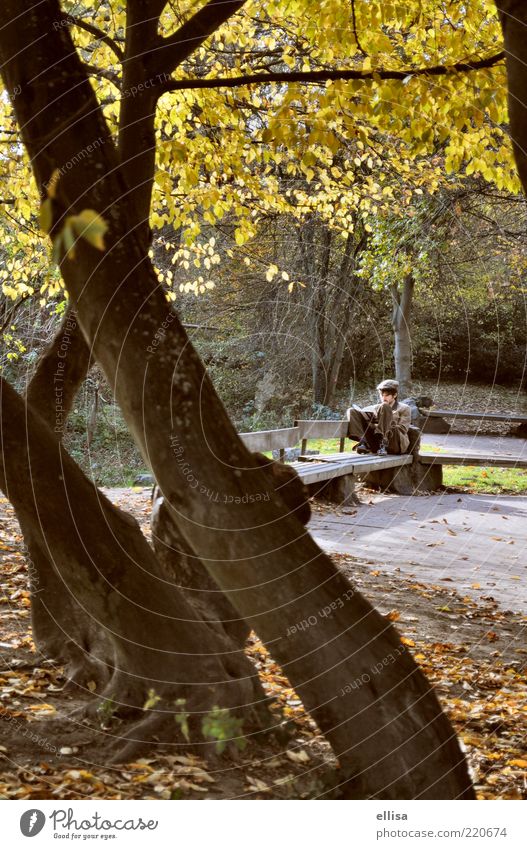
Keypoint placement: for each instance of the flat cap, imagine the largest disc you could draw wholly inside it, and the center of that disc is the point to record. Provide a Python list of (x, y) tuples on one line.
[(389, 385)]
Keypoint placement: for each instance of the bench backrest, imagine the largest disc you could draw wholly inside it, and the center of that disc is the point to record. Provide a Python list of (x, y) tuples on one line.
[(271, 440), (320, 429)]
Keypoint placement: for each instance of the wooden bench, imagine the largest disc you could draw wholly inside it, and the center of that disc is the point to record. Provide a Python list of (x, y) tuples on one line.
[(331, 476), (436, 460)]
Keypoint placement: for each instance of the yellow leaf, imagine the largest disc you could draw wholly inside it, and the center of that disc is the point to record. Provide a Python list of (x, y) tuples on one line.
[(51, 187), (42, 708), (89, 225), (46, 215)]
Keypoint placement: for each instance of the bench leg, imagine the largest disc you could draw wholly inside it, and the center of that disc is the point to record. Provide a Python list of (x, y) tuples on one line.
[(340, 491)]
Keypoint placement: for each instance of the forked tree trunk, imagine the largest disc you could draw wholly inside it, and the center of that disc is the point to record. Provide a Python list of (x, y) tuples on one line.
[(61, 628), (390, 734), (153, 639)]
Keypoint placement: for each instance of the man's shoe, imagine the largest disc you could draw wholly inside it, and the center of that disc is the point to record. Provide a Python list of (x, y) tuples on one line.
[(362, 448)]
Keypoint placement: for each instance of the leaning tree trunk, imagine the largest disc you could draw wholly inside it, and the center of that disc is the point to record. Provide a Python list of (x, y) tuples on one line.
[(154, 640), (179, 560), (402, 311), (61, 629), (391, 737)]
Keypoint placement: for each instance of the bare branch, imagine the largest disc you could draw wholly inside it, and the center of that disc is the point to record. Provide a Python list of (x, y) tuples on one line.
[(355, 34)]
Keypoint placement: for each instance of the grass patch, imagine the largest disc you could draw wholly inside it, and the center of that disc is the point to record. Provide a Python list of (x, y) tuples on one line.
[(328, 446), (486, 480)]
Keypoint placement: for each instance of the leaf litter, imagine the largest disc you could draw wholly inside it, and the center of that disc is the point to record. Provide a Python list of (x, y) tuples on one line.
[(472, 651)]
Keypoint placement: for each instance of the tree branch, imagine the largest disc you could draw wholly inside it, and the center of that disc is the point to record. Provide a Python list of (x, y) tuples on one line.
[(98, 33), (103, 74), (174, 49), (325, 76)]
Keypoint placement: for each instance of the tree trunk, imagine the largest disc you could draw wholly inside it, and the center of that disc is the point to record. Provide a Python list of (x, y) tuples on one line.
[(340, 309), (61, 630), (319, 320), (174, 552), (513, 18), (154, 640), (402, 310), (391, 736)]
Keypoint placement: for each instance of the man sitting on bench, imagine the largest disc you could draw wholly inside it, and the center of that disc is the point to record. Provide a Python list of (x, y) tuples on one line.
[(381, 428)]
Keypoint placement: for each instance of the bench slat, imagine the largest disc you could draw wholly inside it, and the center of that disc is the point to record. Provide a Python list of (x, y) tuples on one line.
[(323, 471), (271, 440), (327, 470), (320, 429)]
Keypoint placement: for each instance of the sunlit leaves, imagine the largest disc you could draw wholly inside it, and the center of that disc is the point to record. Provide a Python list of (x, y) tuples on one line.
[(231, 157)]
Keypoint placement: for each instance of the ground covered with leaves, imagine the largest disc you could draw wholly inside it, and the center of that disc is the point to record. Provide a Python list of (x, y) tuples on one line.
[(474, 653)]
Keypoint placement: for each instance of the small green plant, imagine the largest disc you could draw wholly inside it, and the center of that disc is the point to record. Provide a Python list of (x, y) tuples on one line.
[(181, 718), (224, 728), (105, 711), (152, 700)]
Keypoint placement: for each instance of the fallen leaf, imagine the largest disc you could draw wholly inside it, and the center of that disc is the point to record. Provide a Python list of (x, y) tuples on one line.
[(300, 757)]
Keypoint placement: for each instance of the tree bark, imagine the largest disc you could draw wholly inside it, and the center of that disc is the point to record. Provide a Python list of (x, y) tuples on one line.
[(341, 308), (391, 736), (174, 552)]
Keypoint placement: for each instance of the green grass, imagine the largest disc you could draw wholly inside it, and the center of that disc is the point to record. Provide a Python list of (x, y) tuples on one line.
[(328, 446), (486, 480), (483, 479)]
